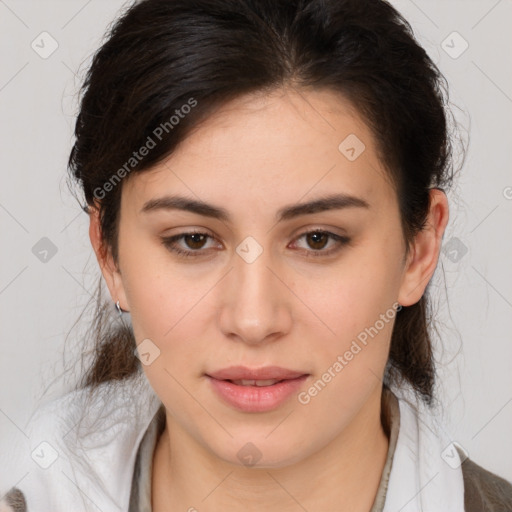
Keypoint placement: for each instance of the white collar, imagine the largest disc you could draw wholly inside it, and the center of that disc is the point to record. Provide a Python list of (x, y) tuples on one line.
[(426, 474)]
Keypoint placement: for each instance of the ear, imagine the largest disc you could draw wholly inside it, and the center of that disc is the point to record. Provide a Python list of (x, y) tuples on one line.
[(424, 251), (109, 268)]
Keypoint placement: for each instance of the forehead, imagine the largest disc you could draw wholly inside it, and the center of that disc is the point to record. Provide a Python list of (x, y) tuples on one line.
[(262, 150)]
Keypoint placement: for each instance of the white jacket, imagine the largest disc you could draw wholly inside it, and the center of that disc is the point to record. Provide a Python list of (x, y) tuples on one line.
[(64, 465)]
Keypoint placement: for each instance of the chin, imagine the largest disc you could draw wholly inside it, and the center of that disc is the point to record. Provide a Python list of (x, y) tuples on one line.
[(260, 453)]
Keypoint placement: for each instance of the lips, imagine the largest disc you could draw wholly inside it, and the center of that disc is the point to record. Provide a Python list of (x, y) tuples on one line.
[(256, 390)]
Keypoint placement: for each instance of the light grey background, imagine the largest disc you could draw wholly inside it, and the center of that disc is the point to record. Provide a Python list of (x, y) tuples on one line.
[(40, 301)]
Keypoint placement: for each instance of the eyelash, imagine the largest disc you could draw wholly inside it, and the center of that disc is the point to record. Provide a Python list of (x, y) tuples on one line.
[(170, 243)]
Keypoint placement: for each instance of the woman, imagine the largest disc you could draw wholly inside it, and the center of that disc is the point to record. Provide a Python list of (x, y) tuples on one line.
[(265, 185)]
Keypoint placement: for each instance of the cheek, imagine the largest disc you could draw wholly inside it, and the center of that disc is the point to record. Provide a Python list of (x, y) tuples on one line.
[(159, 293), (357, 306), (162, 306), (355, 296), (165, 308), (170, 304), (359, 309)]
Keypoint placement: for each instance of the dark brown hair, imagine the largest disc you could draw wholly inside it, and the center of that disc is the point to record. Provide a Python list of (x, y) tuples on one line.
[(161, 55)]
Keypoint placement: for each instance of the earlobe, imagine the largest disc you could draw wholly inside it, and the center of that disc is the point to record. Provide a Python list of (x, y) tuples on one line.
[(108, 267), (424, 251)]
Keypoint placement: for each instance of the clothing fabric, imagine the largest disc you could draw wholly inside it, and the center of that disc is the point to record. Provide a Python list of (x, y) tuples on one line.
[(140, 498), (84, 453)]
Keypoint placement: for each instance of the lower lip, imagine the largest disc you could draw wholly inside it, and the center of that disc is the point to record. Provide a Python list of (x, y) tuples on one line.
[(256, 398)]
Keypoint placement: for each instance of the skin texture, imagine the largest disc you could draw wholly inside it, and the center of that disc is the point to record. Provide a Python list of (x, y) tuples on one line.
[(256, 155)]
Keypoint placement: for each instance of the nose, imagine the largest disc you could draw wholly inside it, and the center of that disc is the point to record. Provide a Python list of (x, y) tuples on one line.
[(256, 306)]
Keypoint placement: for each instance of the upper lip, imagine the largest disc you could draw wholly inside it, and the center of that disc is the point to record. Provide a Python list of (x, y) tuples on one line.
[(264, 373)]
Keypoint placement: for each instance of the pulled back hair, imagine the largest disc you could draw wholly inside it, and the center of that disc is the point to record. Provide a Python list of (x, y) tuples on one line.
[(163, 54)]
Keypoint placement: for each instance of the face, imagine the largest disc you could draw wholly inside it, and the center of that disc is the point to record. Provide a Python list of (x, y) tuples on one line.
[(310, 290)]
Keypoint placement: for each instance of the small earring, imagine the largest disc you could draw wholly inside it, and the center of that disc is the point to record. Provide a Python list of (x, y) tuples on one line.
[(118, 307)]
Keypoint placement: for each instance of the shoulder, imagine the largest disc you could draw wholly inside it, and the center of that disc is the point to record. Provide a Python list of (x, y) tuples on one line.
[(485, 491), (34, 453), (77, 445)]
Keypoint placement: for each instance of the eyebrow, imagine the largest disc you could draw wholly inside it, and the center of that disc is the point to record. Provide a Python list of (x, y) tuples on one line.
[(322, 204)]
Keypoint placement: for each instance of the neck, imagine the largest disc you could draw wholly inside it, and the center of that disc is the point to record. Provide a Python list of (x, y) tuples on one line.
[(346, 472)]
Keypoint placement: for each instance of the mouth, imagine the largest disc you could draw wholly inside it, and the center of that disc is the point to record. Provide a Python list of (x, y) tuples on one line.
[(265, 373), (253, 382), (256, 390)]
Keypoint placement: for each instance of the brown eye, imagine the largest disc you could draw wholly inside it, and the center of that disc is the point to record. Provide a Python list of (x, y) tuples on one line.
[(195, 240), (317, 240)]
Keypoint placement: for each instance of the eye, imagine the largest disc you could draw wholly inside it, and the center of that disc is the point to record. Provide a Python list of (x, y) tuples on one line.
[(318, 239), (194, 240)]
